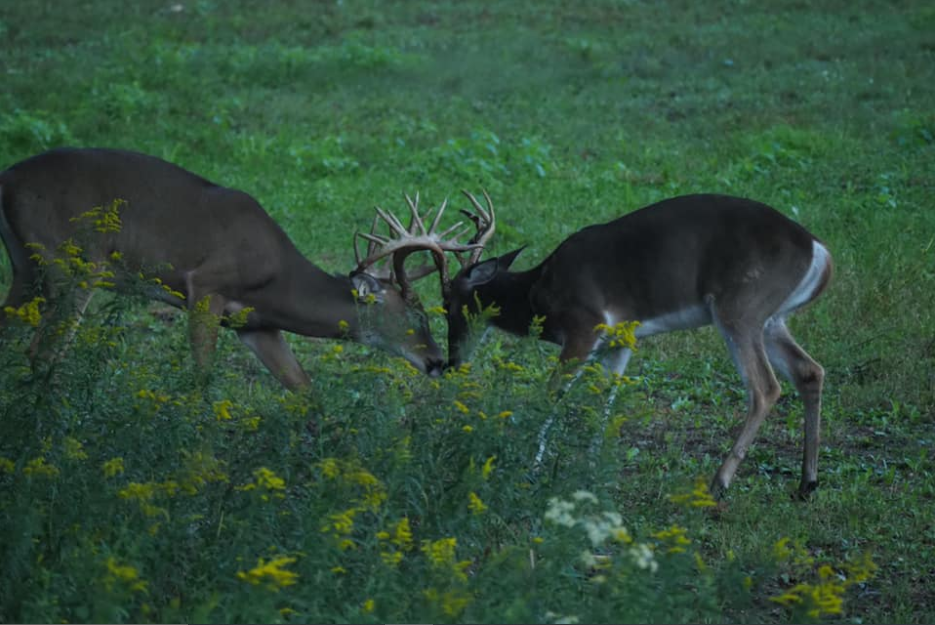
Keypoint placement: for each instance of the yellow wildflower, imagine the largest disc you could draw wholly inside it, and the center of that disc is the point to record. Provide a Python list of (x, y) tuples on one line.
[(104, 218), (860, 571), (138, 491), (461, 407), (363, 477), (240, 318), (38, 466), (798, 555), (818, 600), (272, 573), (440, 552), (201, 468), (156, 398), (675, 538), (28, 313), (402, 534), (125, 574), (222, 410), (475, 504), (368, 606), (7, 465), (341, 523), (452, 602), (330, 468), (251, 424), (488, 467), (267, 482), (622, 335), (698, 497), (74, 450), (68, 248), (827, 596), (374, 491)]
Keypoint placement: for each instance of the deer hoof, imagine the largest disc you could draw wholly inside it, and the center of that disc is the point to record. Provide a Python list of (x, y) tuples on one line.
[(805, 490)]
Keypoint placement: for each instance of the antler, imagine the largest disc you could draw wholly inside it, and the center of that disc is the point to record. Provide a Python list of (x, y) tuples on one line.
[(403, 241), (485, 221)]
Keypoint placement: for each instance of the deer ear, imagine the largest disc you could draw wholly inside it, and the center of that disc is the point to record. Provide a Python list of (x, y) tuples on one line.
[(504, 262), (365, 285), (484, 272)]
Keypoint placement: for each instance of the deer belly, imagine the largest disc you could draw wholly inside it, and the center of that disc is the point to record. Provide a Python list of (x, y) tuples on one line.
[(684, 319)]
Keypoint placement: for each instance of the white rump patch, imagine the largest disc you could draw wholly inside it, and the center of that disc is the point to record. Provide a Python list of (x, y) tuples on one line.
[(810, 283)]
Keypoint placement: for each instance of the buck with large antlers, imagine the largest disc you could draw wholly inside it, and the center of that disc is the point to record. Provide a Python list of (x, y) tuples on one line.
[(206, 244), (681, 263)]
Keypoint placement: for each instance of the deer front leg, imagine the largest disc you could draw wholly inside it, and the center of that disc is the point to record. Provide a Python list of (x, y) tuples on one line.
[(273, 351), (580, 342), (204, 319)]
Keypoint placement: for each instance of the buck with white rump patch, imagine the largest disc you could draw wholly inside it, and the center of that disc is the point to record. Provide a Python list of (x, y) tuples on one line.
[(681, 263), (206, 243)]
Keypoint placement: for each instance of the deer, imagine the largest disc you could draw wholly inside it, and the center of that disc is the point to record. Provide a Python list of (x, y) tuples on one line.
[(678, 264), (205, 245)]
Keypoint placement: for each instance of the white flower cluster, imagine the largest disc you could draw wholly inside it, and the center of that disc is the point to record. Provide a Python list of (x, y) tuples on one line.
[(599, 527)]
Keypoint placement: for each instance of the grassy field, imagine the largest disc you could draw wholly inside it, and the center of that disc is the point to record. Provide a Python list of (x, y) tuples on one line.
[(132, 489)]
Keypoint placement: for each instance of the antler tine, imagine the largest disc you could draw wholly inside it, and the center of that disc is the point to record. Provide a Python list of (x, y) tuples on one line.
[(402, 241), (371, 243), (492, 213), (474, 202), (416, 226), (392, 221), (438, 215), (460, 225), (484, 220), (356, 248), (375, 239)]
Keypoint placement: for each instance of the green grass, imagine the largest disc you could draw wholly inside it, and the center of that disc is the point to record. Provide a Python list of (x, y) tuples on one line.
[(568, 115)]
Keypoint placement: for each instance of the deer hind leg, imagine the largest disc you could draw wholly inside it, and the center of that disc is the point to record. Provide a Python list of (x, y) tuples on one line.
[(794, 364), (745, 341), (271, 348)]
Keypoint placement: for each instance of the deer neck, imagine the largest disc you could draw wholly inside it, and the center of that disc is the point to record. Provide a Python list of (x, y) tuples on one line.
[(509, 291), (313, 302)]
